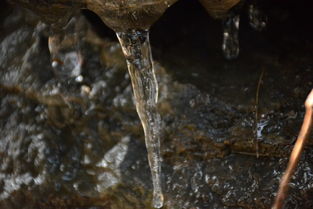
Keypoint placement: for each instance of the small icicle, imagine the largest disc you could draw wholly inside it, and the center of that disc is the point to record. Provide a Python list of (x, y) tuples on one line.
[(257, 19), (230, 45), (66, 58), (136, 48)]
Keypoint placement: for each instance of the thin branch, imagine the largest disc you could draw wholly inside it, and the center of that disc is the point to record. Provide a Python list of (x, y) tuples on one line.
[(257, 112), (296, 152)]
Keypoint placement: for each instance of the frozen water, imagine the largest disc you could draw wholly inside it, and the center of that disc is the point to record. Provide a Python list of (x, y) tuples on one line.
[(230, 45), (136, 48), (257, 19)]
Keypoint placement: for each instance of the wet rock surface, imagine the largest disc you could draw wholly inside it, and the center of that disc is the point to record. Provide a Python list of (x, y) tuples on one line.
[(76, 141)]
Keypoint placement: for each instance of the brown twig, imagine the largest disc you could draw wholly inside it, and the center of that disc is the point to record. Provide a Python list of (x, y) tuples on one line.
[(296, 152), (257, 112)]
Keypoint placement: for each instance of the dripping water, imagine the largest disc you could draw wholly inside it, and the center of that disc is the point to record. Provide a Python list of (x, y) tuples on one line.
[(136, 48), (230, 44)]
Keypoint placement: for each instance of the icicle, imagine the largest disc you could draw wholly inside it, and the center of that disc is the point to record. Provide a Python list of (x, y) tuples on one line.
[(230, 45), (257, 19), (66, 58), (136, 48)]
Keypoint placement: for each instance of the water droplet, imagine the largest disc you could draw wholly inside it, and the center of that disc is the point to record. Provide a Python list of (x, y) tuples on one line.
[(158, 200), (79, 79)]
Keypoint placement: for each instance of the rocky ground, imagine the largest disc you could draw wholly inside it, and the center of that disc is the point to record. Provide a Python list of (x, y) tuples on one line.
[(76, 141)]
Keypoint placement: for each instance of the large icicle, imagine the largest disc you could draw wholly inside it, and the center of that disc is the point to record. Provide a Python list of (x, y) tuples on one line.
[(136, 48)]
